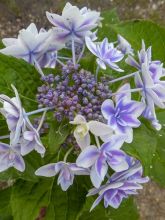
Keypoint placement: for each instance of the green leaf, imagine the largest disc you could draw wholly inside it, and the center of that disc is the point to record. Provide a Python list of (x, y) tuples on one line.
[(69, 203), (109, 18), (98, 213), (5, 209), (1, 45), (158, 162), (143, 147), (152, 34), (57, 134), (27, 199), (23, 76), (127, 211)]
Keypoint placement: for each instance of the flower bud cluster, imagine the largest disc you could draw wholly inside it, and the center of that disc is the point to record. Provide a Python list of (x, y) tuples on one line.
[(74, 92)]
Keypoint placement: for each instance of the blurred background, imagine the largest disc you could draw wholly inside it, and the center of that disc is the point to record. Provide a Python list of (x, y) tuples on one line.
[(17, 14)]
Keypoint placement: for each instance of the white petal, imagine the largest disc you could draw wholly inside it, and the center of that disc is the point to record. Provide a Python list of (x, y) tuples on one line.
[(99, 129), (29, 135), (91, 46), (96, 180), (120, 167), (32, 28), (83, 142), (9, 41), (127, 95), (101, 63), (19, 163), (87, 157), (47, 170), (79, 119)]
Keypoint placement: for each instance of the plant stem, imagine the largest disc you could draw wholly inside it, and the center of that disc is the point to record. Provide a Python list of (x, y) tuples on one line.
[(73, 52), (97, 141), (123, 77), (41, 121), (81, 54), (97, 71), (125, 91), (60, 62), (39, 110), (64, 58), (4, 137), (67, 154), (38, 68)]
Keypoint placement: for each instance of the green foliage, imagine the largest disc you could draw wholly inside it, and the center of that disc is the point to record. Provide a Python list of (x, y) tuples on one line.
[(127, 211), (57, 134), (110, 18), (5, 209), (136, 30), (69, 203), (143, 146), (23, 76), (1, 45), (28, 198)]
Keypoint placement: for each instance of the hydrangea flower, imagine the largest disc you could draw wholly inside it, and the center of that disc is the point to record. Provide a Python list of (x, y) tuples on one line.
[(122, 116), (14, 113), (142, 55), (155, 68), (123, 45), (120, 185), (36, 47), (66, 171), (73, 24), (152, 94), (31, 140), (149, 80), (81, 133), (49, 58), (20, 126), (98, 159), (106, 54), (10, 157), (151, 116)]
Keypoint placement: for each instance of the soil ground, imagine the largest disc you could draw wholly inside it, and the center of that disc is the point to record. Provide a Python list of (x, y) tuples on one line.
[(16, 14)]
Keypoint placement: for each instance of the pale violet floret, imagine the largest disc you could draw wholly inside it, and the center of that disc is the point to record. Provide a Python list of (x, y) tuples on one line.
[(31, 44), (30, 140), (66, 172), (74, 23), (153, 93), (10, 157), (19, 125), (155, 67), (106, 53), (120, 186), (49, 58), (123, 45), (122, 113), (151, 116), (98, 159), (142, 55), (13, 111), (81, 133), (148, 79)]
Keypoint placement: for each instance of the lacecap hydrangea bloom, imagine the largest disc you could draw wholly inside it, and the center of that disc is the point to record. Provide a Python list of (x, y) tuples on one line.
[(101, 119)]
